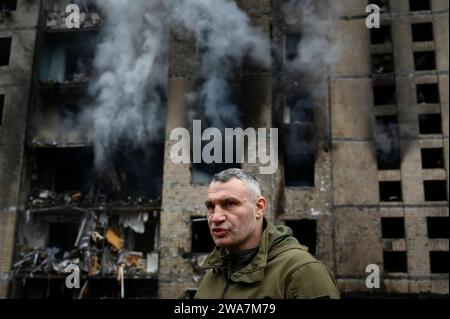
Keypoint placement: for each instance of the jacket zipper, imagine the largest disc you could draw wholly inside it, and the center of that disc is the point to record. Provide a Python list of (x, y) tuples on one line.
[(227, 280), (225, 290)]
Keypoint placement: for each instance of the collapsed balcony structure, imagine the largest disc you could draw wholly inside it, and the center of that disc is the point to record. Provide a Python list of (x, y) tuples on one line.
[(106, 222)]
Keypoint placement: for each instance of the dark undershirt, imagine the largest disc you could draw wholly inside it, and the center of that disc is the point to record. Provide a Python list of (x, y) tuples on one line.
[(237, 261)]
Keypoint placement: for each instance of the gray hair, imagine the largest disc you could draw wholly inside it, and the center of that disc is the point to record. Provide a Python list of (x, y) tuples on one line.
[(249, 181)]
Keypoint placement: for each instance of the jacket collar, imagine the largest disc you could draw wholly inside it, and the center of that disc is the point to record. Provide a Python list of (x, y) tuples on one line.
[(254, 271)]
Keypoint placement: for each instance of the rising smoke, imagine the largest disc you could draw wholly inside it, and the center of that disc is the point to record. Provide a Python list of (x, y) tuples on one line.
[(224, 33), (305, 79), (131, 62), (317, 51), (132, 76), (132, 65)]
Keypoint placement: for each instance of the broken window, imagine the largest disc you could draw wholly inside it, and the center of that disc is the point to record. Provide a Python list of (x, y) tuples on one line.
[(299, 166), (5, 50), (62, 236), (393, 227), (430, 124), (438, 227), (419, 5), (387, 142), (427, 93), (382, 4), (435, 191), (64, 169), (422, 32), (439, 262), (143, 243), (432, 157), (133, 172), (201, 240), (53, 64), (300, 108), (65, 60), (202, 42), (382, 63), (8, 5), (78, 63), (424, 61), (72, 170), (202, 173), (2, 104), (384, 94), (305, 231), (299, 141), (381, 35), (291, 47), (395, 261), (390, 191)]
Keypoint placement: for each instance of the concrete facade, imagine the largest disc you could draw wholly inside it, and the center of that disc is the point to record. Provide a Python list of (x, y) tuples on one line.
[(15, 80), (345, 201)]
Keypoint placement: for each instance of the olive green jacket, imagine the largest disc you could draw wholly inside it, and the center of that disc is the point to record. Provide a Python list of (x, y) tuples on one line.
[(282, 268)]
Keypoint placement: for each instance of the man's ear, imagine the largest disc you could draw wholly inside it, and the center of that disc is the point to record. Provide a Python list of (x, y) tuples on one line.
[(260, 207)]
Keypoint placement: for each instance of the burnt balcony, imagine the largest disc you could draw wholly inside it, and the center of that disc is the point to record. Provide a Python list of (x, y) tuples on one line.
[(66, 178), (90, 18), (103, 246)]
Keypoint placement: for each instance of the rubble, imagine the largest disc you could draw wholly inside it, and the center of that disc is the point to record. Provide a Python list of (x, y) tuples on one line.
[(99, 251), (44, 198), (70, 79), (135, 222), (114, 239), (41, 198), (78, 78), (135, 263)]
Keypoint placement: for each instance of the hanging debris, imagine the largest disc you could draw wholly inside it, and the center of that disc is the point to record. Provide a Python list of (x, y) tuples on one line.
[(99, 247)]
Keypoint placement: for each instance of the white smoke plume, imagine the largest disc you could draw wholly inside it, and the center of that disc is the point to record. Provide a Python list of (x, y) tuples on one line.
[(317, 50), (224, 31), (132, 73), (132, 66)]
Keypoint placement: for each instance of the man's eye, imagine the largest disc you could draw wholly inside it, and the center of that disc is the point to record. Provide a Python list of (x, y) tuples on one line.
[(229, 204)]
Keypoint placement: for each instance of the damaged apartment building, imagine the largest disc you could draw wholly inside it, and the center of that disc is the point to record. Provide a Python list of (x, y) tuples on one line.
[(363, 153)]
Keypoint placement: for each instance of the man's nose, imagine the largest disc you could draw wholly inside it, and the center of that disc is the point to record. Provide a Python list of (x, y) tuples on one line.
[(218, 216)]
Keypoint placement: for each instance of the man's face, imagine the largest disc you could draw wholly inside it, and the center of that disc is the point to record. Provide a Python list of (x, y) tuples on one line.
[(234, 215)]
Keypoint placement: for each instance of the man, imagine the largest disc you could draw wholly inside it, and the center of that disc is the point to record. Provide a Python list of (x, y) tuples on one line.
[(253, 259)]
